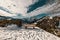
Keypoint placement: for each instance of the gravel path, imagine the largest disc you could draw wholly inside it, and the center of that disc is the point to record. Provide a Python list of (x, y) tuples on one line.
[(26, 34)]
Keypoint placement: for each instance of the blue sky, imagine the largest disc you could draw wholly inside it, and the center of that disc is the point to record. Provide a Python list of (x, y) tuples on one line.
[(40, 3), (25, 8)]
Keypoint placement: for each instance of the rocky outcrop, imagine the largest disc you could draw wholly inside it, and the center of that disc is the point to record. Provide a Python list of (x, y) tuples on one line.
[(50, 25), (5, 23)]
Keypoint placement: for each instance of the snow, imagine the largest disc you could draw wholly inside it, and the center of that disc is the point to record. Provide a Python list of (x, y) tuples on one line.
[(25, 34), (12, 32)]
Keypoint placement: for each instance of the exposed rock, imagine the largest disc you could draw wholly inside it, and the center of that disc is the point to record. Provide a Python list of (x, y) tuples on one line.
[(5, 23), (50, 25)]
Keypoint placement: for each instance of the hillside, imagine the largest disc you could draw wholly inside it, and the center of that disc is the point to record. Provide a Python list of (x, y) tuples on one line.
[(25, 34)]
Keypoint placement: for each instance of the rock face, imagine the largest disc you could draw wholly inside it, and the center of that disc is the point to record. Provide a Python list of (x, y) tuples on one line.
[(5, 23), (50, 25)]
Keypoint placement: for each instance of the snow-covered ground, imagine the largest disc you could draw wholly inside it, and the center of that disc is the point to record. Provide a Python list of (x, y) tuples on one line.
[(14, 33)]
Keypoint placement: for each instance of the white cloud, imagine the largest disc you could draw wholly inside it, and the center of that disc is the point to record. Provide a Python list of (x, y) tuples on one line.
[(20, 7), (3, 13)]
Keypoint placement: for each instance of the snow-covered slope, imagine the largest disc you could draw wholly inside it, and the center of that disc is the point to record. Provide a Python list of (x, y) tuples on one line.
[(26, 34)]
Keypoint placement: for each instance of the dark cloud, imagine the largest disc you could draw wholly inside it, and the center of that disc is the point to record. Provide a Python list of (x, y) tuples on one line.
[(40, 3)]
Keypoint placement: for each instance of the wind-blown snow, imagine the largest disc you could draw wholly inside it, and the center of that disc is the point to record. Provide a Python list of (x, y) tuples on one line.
[(26, 34)]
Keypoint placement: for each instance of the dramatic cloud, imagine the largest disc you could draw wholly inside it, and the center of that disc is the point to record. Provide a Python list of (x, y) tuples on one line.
[(28, 8)]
